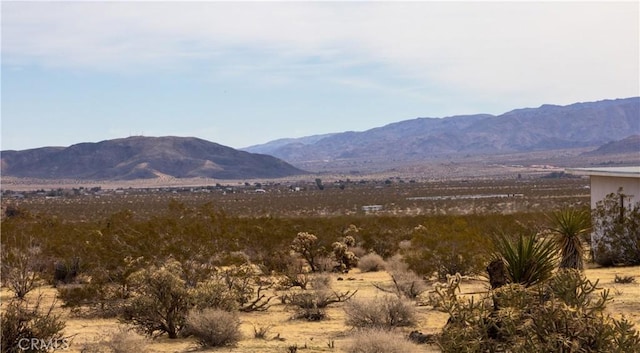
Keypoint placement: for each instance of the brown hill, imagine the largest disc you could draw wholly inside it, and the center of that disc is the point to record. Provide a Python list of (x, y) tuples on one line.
[(627, 145), (141, 157)]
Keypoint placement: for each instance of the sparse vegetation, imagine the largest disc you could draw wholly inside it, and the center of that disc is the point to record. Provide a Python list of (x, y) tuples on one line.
[(447, 249), (624, 279), (121, 340), (213, 327), (311, 305), (379, 341), (405, 283), (32, 328), (234, 252), (19, 269), (560, 314), (159, 302), (371, 262), (383, 313)]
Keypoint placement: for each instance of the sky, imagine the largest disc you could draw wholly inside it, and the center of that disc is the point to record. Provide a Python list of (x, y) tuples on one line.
[(245, 73)]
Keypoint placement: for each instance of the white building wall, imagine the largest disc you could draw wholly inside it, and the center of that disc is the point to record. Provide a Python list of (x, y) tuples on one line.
[(601, 186)]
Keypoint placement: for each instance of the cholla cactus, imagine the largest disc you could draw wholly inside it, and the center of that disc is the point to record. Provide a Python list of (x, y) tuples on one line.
[(345, 258), (306, 244)]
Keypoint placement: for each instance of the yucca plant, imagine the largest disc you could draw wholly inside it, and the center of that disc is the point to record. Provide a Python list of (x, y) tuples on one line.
[(569, 226), (528, 260)]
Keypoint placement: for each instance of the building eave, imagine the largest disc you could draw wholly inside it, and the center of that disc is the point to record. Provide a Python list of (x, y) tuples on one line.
[(620, 172)]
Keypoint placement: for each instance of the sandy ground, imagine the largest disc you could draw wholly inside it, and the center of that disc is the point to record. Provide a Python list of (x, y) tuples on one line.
[(330, 335)]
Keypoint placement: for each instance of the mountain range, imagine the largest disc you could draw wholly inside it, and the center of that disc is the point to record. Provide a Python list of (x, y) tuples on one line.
[(141, 157), (608, 127), (548, 127)]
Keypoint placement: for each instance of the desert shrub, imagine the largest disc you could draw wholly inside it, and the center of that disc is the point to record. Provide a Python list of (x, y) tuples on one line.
[(616, 230), (22, 323), (161, 297), (118, 341), (371, 262), (213, 294), (447, 249), (379, 341), (213, 327), (98, 298), (385, 312), (321, 281), (294, 276), (244, 283), (277, 262), (326, 264), (624, 279), (561, 314), (311, 305), (528, 260), (404, 282), (125, 341), (160, 300), (261, 332), (19, 269), (358, 251)]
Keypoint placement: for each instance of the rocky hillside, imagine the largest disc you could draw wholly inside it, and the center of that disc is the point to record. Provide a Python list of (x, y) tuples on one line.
[(627, 145), (549, 127), (141, 158)]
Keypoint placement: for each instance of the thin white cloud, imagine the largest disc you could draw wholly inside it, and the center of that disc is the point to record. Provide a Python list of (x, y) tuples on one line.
[(571, 51)]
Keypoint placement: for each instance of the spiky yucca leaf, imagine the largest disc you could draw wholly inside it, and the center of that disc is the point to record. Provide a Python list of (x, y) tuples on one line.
[(569, 226), (527, 260)]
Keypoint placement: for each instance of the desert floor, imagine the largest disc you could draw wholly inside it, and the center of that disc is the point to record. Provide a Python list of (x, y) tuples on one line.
[(329, 335)]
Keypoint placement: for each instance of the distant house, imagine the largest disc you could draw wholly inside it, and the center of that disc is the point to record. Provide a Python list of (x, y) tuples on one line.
[(605, 181)]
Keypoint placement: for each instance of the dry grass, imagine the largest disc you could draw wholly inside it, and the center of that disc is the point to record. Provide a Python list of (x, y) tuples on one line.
[(320, 336)]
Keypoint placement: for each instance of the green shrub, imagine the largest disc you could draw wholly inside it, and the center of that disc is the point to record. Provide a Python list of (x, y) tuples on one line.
[(213, 327), (28, 328), (447, 249), (616, 230), (213, 294), (528, 260), (160, 300), (385, 312), (561, 314), (570, 226)]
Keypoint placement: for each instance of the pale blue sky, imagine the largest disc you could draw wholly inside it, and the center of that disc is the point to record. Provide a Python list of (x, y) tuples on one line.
[(246, 73)]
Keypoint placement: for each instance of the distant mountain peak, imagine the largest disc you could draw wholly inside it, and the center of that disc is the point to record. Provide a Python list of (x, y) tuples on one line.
[(143, 157), (548, 127)]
